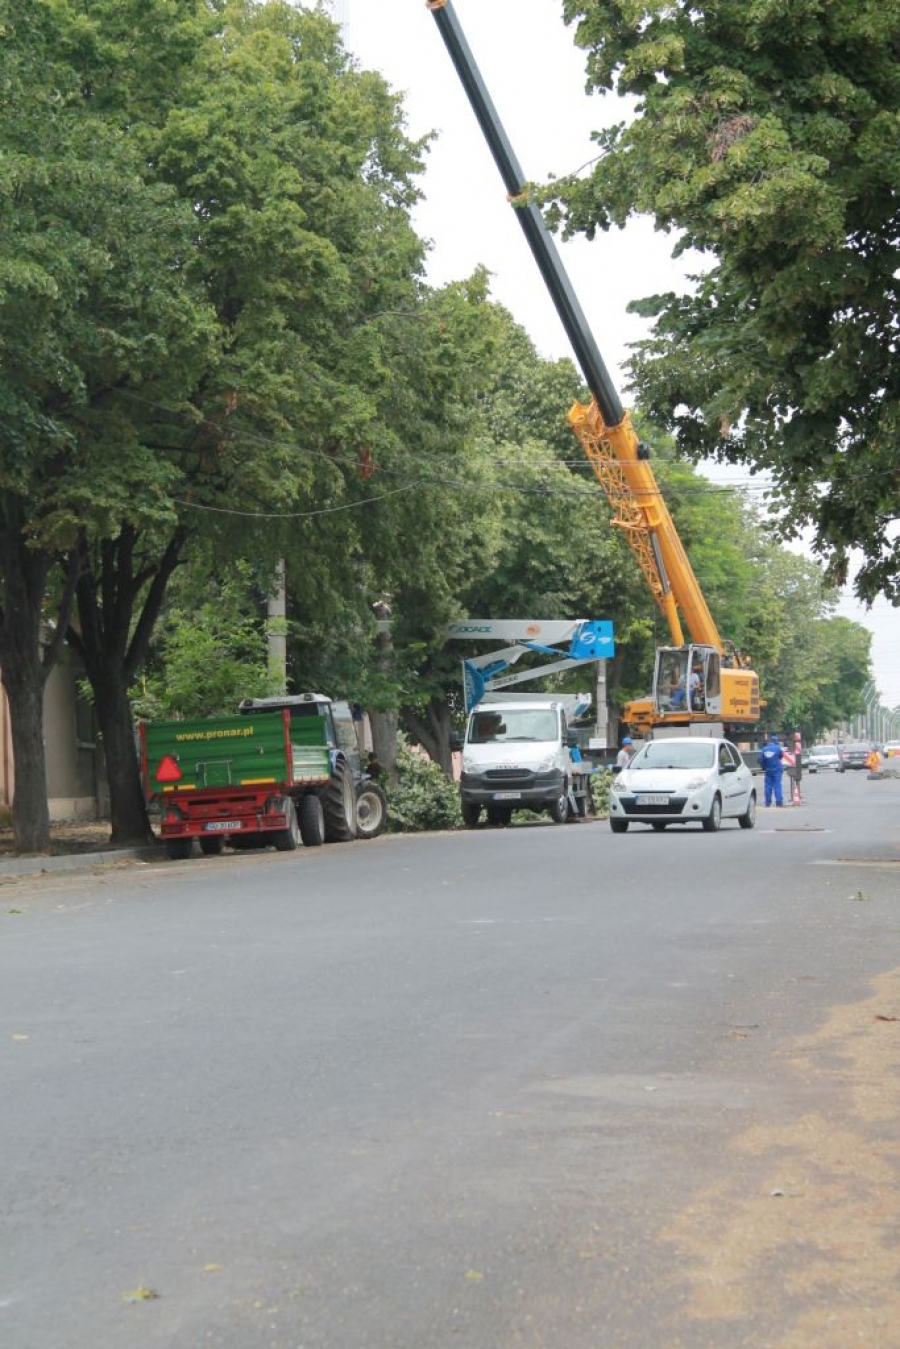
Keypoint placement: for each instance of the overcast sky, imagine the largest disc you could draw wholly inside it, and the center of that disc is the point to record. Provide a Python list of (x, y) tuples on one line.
[(535, 77)]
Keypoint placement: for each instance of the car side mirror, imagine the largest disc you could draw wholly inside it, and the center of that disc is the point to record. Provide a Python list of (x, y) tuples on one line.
[(455, 742), (728, 768), (616, 768)]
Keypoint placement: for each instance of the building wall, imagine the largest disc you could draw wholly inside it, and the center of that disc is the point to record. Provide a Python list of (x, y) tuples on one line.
[(75, 790)]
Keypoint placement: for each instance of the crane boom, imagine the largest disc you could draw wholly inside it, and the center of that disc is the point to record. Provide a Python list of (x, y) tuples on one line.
[(540, 240), (619, 460)]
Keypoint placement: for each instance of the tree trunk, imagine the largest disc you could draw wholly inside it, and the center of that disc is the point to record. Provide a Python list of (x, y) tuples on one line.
[(385, 724), (112, 645), (433, 732), (24, 664), (129, 821), (384, 740), (23, 680)]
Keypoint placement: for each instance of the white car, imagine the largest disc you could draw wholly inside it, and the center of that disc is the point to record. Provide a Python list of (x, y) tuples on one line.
[(680, 781), (825, 756)]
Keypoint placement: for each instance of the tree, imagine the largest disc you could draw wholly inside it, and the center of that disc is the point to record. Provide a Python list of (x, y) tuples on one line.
[(212, 651), (419, 524), (203, 319), (515, 531), (92, 301), (768, 137)]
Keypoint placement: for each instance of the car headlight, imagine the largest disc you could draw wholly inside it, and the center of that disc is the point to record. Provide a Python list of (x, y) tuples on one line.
[(544, 765), (470, 765), (695, 784)]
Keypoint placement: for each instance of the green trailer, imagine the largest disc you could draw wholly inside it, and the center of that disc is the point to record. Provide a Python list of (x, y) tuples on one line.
[(274, 774)]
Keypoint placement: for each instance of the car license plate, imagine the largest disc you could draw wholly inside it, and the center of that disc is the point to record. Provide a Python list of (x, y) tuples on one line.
[(222, 824), (507, 796), (651, 800)]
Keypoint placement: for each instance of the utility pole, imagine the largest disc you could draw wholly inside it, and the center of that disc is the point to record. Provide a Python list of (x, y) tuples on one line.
[(276, 631)]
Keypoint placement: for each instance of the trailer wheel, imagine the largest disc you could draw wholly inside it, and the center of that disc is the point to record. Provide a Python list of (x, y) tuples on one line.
[(287, 840), (212, 847), (339, 804), (179, 849), (312, 821), (371, 809)]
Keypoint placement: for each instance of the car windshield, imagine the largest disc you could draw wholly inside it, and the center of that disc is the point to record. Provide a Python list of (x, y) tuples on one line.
[(512, 724), (825, 751), (675, 754)]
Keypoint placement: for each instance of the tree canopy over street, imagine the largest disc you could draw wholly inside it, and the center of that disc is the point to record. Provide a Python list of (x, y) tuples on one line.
[(219, 356), (204, 208), (766, 136)]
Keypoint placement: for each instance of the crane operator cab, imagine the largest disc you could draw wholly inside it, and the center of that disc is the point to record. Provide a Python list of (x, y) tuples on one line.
[(687, 681)]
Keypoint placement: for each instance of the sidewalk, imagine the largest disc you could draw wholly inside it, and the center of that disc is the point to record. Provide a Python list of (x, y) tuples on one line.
[(74, 846)]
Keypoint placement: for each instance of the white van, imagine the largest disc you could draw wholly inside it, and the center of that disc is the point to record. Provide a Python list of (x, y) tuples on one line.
[(517, 755)]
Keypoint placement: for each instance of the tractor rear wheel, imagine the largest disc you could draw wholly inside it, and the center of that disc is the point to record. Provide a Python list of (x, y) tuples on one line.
[(339, 804)]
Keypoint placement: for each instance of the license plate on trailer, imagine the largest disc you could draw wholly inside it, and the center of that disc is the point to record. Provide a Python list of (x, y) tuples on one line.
[(222, 824), (651, 800), (507, 796)]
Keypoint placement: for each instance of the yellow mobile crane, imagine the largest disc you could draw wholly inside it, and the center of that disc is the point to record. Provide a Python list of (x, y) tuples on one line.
[(700, 683)]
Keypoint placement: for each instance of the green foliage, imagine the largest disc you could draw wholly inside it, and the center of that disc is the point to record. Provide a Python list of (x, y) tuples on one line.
[(600, 781), (212, 655), (204, 215), (767, 135), (422, 798)]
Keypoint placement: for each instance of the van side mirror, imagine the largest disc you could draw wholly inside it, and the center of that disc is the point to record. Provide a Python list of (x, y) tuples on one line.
[(571, 739), (455, 742)]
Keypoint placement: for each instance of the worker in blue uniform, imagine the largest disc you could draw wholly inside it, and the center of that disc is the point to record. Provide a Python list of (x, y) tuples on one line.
[(770, 762)]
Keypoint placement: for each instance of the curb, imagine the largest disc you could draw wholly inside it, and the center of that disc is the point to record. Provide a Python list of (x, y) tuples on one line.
[(40, 863)]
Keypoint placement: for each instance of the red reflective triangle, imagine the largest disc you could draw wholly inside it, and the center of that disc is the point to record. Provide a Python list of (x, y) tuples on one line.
[(167, 769)]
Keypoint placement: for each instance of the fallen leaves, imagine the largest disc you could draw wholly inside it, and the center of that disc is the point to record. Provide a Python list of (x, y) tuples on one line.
[(140, 1294)]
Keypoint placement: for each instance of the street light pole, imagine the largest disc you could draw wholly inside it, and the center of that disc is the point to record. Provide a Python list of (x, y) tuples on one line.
[(872, 701)]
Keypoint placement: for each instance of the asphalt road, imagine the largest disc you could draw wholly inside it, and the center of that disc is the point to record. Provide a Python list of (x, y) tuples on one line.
[(542, 1088)]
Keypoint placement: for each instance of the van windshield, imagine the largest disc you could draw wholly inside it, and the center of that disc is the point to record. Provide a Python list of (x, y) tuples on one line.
[(512, 724)]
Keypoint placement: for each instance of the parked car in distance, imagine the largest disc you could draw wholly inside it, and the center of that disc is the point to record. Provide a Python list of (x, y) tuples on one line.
[(679, 781), (824, 756), (855, 755), (891, 749)]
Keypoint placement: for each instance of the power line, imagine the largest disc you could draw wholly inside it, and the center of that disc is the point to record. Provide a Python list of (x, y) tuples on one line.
[(351, 464)]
